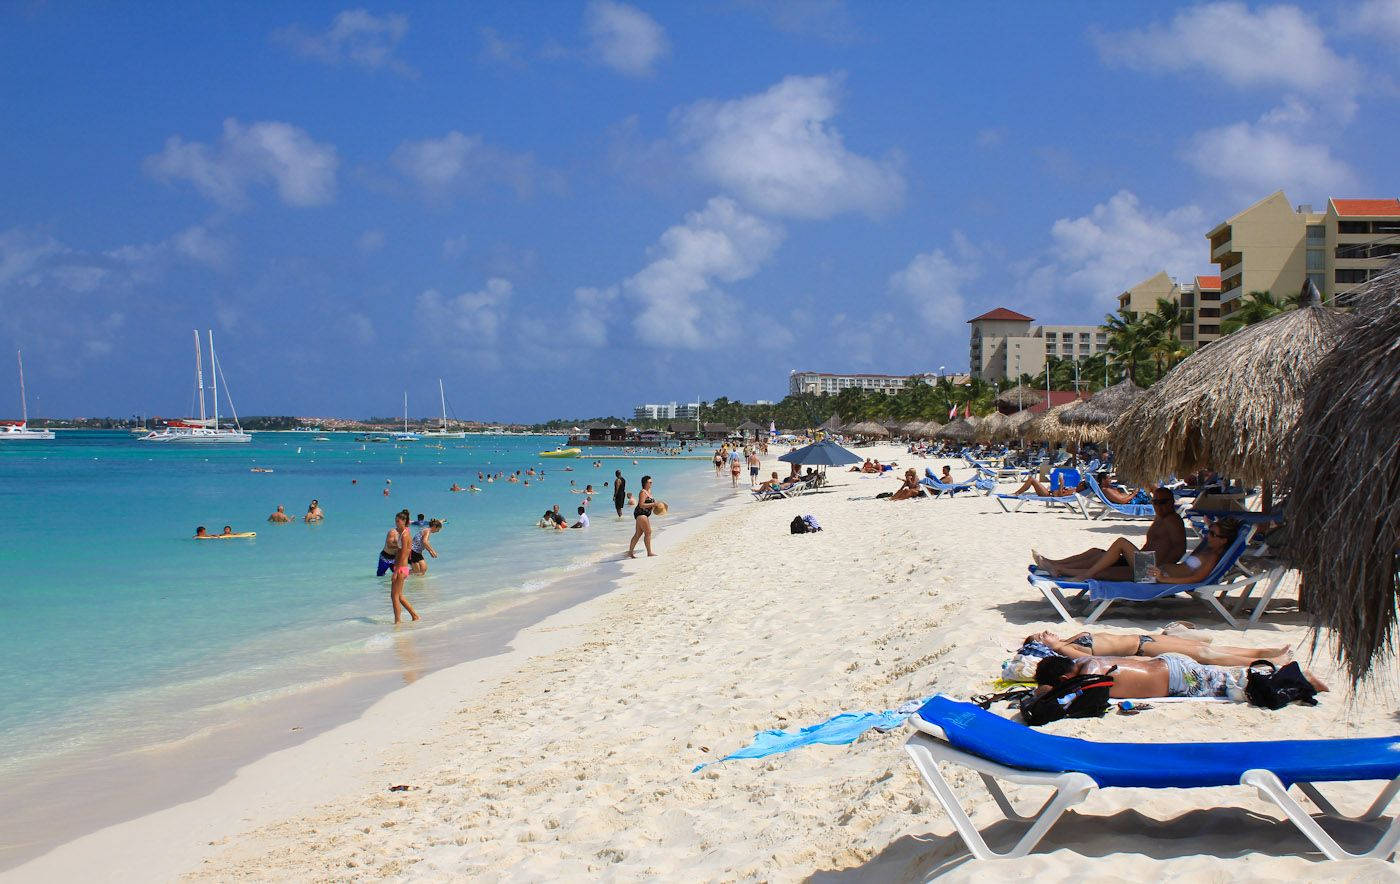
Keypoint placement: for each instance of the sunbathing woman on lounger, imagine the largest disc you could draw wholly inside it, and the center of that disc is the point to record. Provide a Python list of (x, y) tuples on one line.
[(1108, 644), (1035, 486), (910, 488), (1166, 537), (1170, 675)]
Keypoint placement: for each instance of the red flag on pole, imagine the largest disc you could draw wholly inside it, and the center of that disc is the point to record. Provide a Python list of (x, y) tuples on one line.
[(967, 410)]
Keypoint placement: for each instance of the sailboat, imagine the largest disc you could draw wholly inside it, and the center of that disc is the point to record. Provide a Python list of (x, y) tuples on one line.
[(442, 432), (203, 431), (16, 431), (406, 436)]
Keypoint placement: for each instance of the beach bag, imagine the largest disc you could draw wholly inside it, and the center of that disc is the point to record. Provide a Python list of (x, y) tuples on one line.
[(1081, 696), (811, 523), (1276, 688), (799, 525)]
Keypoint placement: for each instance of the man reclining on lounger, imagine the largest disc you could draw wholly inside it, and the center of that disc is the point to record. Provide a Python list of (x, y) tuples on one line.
[(1170, 675), (1108, 644), (1166, 537)]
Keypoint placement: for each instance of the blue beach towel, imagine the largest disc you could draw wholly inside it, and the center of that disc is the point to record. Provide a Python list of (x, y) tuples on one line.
[(839, 730)]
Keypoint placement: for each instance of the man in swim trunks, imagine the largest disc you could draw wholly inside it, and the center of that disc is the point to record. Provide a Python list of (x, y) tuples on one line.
[(754, 464), (1169, 675), (619, 492), (313, 512), (1166, 537), (280, 516)]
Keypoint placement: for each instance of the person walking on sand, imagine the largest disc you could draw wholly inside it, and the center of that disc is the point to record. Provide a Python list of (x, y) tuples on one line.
[(754, 464), (402, 540), (735, 460), (642, 515), (619, 492)]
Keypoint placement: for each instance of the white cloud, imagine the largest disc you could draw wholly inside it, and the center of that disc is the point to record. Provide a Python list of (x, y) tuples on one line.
[(1271, 46), (454, 247), (355, 36), (23, 253), (591, 311), (265, 153), (1252, 160), (1374, 17), (778, 152), (1117, 244), (681, 304), (623, 37), (474, 319), (198, 244), (828, 20), (935, 282), (370, 241), (444, 167), (496, 49)]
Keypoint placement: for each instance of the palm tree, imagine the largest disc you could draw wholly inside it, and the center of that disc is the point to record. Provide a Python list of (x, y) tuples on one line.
[(1130, 340), (1254, 307)]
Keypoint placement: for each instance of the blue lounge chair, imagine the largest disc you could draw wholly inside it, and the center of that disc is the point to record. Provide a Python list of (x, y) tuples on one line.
[(997, 473), (1125, 510), (1074, 502), (1223, 579), (980, 483), (1001, 749)]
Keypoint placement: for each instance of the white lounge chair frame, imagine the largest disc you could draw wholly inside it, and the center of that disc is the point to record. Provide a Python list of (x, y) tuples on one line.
[(1074, 503), (927, 747)]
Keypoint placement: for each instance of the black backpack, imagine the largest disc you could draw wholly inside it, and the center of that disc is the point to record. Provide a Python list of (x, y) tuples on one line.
[(1277, 688), (1080, 696), (800, 526)]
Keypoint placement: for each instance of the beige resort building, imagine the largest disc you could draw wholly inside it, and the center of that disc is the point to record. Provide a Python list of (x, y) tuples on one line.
[(1274, 246), (1007, 344)]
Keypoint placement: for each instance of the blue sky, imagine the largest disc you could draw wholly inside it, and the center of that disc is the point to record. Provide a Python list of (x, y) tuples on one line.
[(566, 208)]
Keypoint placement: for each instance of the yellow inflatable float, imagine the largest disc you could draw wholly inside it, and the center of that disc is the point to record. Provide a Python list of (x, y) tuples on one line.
[(562, 452)]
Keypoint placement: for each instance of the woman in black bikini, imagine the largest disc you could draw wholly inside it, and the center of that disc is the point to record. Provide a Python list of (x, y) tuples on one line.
[(642, 514), (1108, 644)]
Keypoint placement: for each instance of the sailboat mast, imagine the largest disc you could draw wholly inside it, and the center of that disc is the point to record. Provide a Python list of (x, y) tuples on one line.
[(214, 378), (199, 374), (443, 397), (405, 411), (23, 399)]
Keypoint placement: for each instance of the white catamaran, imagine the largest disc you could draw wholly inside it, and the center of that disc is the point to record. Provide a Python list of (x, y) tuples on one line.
[(442, 432), (406, 436), (204, 430), (16, 431)]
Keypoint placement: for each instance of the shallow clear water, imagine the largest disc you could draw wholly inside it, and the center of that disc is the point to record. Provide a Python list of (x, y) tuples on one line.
[(119, 630)]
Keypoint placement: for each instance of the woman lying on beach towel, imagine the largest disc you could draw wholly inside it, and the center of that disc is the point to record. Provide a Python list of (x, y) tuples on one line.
[(1170, 675), (1108, 644)]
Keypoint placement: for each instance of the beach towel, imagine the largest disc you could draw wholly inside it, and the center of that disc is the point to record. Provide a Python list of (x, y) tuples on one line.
[(839, 730)]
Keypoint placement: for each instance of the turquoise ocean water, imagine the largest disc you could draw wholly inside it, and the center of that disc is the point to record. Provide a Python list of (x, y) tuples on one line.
[(119, 631)]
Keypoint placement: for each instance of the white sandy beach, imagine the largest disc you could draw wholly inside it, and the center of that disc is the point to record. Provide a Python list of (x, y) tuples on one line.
[(570, 757)]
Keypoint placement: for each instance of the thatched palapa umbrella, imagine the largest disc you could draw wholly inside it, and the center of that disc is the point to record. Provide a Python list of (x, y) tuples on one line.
[(1230, 406), (1344, 510), (993, 427), (868, 429), (929, 429), (1046, 426), (1088, 421), (960, 430), (832, 424), (1021, 397)]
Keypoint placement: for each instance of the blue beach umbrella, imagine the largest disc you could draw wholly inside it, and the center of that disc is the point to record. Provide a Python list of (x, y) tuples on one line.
[(821, 454)]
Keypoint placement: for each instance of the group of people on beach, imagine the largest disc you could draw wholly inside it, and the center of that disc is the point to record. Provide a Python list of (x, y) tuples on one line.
[(403, 554), (314, 514)]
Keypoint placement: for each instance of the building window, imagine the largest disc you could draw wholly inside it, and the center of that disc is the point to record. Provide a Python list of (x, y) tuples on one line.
[(1353, 226), (1318, 279), (1210, 312), (1316, 234), (1386, 227), (1349, 276), (1210, 329), (1315, 260)]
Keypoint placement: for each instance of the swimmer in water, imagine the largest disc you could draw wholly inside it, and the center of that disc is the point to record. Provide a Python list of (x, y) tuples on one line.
[(228, 531), (313, 512), (280, 516), (455, 487), (200, 532), (422, 543), (473, 488)]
